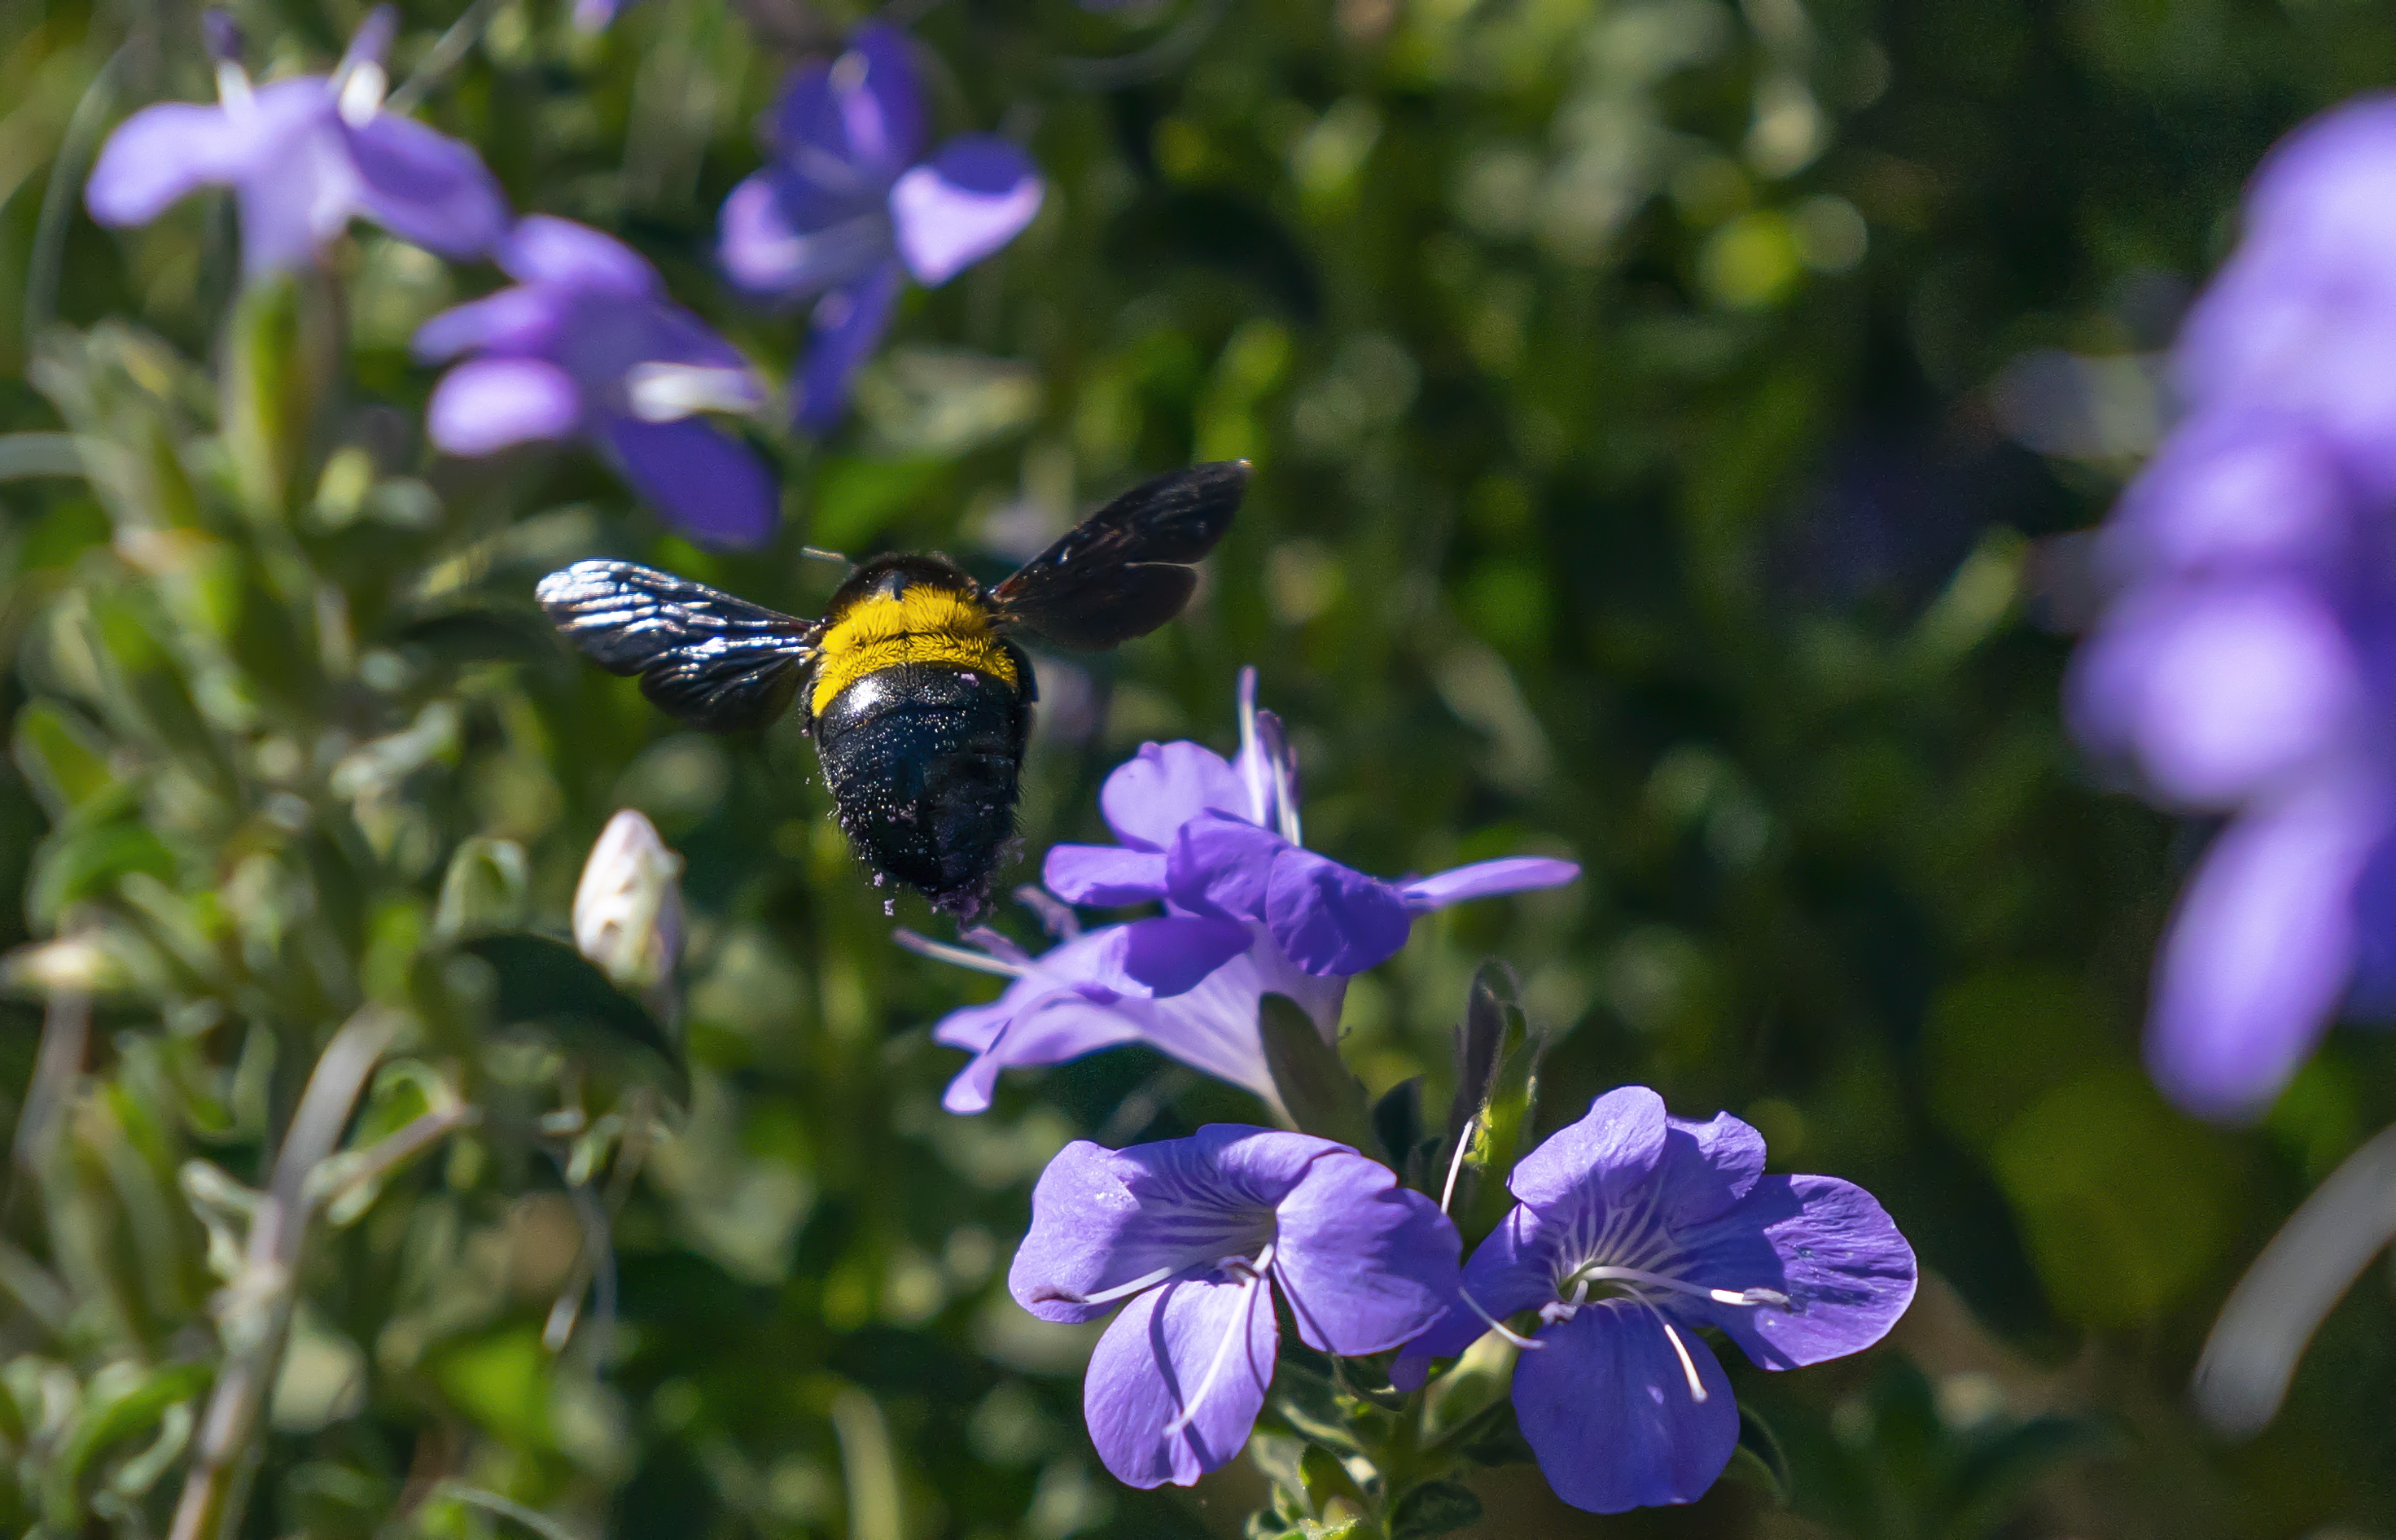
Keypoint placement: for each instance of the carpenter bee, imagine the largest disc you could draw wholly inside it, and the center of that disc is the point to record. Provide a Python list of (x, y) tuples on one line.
[(911, 685)]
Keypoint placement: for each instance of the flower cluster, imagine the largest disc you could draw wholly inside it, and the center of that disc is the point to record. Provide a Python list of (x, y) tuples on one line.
[(1247, 911), (2243, 664), (587, 345)]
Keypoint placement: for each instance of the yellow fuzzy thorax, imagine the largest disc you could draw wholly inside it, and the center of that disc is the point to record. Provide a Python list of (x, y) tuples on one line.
[(923, 624)]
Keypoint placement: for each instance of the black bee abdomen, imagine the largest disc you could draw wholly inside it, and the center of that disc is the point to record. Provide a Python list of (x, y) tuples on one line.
[(922, 763)]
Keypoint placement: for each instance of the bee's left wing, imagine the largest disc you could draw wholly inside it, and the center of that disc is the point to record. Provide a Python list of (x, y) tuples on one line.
[(715, 661), (1124, 570)]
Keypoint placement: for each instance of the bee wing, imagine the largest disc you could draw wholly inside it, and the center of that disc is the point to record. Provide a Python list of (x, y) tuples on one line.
[(715, 661), (1124, 570)]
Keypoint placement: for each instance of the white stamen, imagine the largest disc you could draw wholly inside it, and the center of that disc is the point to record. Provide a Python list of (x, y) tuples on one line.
[(1252, 759), (1688, 1365), (1125, 1291), (363, 86), (669, 392), (1455, 1161), (1239, 1330), (233, 86), (923, 946), (1517, 1338), (1773, 1297), (1284, 794)]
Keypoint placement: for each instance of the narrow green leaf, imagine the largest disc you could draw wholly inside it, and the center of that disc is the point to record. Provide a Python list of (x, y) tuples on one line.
[(1322, 1098)]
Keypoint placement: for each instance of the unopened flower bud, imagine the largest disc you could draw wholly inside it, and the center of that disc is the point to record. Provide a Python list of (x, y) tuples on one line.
[(223, 36), (628, 906)]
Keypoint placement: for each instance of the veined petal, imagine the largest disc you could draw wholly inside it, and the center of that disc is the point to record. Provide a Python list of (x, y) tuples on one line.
[(1705, 1167), (1487, 880), (1332, 920), (157, 157), (963, 203), (1176, 1382), (1511, 1271), (1171, 954), (2260, 950), (849, 327), (703, 481), (544, 249), (1613, 1146), (486, 404), (1219, 864), (1825, 1243), (1106, 876), (1104, 1219), (425, 187), (1151, 795), (1607, 1406), (517, 319), (1053, 1026), (1365, 1263)]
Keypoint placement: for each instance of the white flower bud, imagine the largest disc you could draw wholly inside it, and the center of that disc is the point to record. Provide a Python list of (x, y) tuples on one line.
[(628, 907)]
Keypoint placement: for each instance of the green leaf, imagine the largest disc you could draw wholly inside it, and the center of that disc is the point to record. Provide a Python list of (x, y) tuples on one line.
[(1398, 1124), (545, 982), (1436, 1508), (115, 1407), (1758, 1461), (487, 888), (1322, 1098), (79, 862), (64, 758), (1498, 1055)]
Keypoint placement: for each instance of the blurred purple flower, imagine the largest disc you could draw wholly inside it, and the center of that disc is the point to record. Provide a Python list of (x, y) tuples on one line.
[(1187, 1231), (1195, 1003), (2244, 665), (849, 206), (303, 156), (588, 344), (1218, 842), (1672, 1226)]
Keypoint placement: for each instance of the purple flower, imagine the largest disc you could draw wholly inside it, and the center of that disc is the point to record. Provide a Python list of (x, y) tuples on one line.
[(1142, 982), (1186, 1232), (1636, 1229), (1217, 842), (2244, 665), (848, 208), (588, 344), (303, 156)]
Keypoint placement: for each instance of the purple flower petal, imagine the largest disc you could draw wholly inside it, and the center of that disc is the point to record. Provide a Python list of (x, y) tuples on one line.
[(2229, 494), (965, 203), (1615, 1145), (543, 249), (1511, 1271), (159, 155), (486, 404), (1606, 1404), (857, 121), (2220, 689), (1331, 919), (704, 483), (1222, 864), (1176, 1382), (768, 248), (1047, 1026), (1103, 1219), (1825, 1243), (1151, 795), (2260, 949), (426, 187), (1705, 1167), (848, 325), (512, 321), (1365, 1263), (1487, 880), (1104, 876), (1170, 954)]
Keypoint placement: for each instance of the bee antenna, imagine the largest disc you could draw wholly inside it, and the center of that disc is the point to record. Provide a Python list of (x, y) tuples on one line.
[(819, 553)]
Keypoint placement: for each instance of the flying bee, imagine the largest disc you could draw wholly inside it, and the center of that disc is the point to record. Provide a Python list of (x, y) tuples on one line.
[(917, 697)]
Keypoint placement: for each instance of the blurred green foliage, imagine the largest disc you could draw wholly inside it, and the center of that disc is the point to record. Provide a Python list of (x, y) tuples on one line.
[(1631, 485)]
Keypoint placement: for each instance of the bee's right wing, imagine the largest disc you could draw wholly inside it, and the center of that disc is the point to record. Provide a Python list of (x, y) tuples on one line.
[(715, 661)]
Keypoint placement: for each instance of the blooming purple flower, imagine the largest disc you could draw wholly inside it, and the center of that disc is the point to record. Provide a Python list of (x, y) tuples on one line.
[(1106, 988), (303, 156), (2243, 666), (1186, 1232), (1217, 842), (849, 207), (587, 344), (1634, 1230)]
